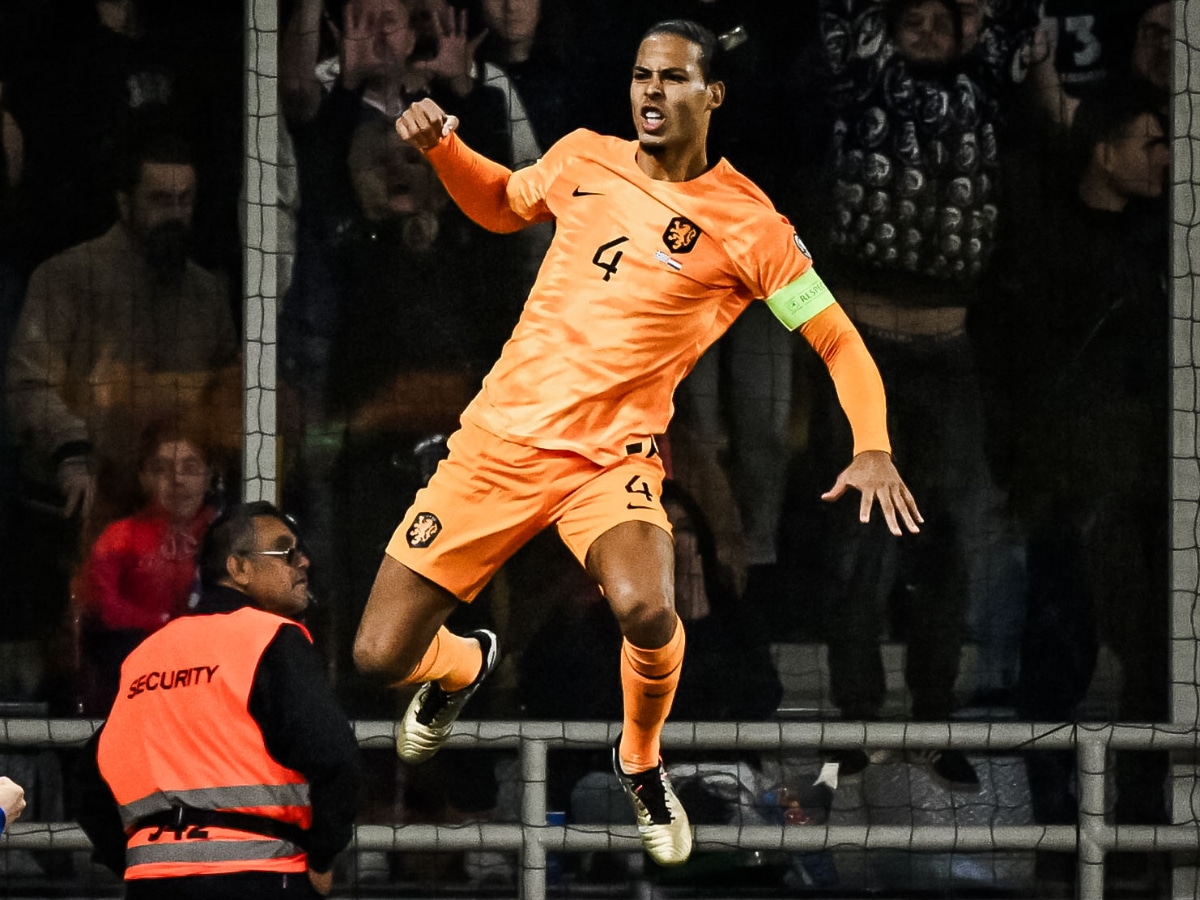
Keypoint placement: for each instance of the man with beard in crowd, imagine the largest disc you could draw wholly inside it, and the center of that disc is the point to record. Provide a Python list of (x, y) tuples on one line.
[(113, 333)]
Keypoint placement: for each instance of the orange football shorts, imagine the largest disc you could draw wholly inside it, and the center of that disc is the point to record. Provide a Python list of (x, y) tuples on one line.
[(490, 496)]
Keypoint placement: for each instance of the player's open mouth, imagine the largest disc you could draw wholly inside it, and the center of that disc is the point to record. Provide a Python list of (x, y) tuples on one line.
[(652, 119)]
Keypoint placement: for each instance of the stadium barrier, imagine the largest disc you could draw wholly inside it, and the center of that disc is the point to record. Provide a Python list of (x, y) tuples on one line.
[(531, 838)]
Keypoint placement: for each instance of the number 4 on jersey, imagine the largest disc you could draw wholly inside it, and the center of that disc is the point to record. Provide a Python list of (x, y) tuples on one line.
[(609, 266), (638, 485)]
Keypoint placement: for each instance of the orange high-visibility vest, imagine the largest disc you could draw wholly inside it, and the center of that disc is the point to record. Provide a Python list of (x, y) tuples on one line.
[(180, 734)]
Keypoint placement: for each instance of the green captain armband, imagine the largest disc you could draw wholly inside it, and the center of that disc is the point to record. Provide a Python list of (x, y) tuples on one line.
[(796, 303)]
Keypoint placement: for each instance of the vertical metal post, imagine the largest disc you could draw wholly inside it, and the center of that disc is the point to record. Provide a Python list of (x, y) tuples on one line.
[(534, 755), (1091, 765), (260, 199)]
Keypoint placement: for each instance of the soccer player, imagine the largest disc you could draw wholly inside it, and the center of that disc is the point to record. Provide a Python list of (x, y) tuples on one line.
[(656, 251)]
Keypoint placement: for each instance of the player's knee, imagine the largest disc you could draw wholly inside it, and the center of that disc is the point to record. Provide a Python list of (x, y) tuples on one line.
[(647, 620), (374, 656)]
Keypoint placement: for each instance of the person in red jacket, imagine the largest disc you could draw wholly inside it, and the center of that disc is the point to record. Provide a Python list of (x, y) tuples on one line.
[(141, 572), (226, 767)]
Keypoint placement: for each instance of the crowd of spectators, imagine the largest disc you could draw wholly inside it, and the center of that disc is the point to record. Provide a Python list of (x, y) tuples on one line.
[(912, 142)]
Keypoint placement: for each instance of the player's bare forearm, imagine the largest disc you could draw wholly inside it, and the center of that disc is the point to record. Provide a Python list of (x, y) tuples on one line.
[(873, 474)]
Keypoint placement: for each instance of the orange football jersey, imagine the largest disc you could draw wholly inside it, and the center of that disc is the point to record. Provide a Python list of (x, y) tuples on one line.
[(642, 276)]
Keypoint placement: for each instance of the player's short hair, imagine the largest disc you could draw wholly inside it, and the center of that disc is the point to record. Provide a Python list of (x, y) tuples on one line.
[(232, 532), (710, 47)]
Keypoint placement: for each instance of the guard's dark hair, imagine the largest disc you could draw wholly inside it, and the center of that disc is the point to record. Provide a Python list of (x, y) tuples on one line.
[(232, 532), (710, 48)]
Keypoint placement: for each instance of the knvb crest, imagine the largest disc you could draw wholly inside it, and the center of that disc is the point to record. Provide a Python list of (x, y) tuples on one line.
[(423, 530), (681, 235)]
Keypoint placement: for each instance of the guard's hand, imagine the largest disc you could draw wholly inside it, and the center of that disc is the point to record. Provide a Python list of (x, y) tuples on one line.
[(78, 485), (12, 798), (322, 882), (424, 124), (874, 474)]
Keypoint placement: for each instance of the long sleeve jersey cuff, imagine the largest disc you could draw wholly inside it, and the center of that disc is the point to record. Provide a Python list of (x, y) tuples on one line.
[(477, 184), (855, 376)]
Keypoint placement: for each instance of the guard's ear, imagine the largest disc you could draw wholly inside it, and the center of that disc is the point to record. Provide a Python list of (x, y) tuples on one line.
[(716, 94), (238, 568)]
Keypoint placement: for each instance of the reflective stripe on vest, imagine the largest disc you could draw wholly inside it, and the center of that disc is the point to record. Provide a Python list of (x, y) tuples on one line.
[(210, 851), (191, 742), (248, 795)]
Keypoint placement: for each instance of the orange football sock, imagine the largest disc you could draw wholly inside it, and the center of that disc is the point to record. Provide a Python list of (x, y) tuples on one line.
[(649, 679), (452, 661)]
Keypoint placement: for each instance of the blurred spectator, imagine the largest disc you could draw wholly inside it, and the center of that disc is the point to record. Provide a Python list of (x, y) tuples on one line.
[(88, 75), (12, 801), (525, 42), (347, 71), (11, 292), (141, 572), (919, 89), (361, 61), (1083, 43), (518, 20), (426, 299), (733, 422), (1075, 345), (1075, 42), (113, 333), (1138, 42)]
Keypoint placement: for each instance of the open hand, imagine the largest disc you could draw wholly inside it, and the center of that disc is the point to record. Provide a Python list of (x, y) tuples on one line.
[(874, 474), (455, 55)]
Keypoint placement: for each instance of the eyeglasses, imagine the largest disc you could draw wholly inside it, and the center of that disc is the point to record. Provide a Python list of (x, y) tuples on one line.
[(166, 467), (291, 555)]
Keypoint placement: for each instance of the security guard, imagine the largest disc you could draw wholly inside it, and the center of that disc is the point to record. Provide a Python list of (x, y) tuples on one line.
[(226, 767)]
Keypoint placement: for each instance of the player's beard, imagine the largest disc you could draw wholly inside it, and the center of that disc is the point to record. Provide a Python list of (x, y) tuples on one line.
[(166, 247)]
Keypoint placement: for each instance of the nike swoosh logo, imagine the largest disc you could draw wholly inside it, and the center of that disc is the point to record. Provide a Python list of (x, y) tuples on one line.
[(578, 193)]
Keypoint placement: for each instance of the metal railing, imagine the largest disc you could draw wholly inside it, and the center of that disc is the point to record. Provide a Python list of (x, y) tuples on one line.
[(531, 838)]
